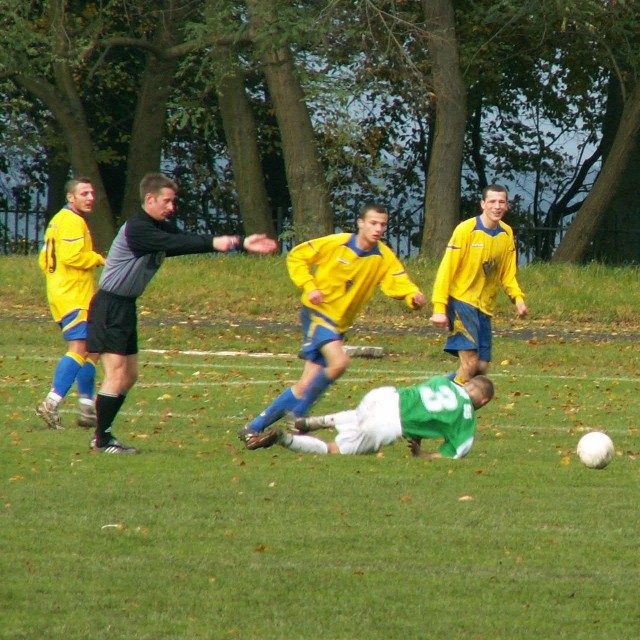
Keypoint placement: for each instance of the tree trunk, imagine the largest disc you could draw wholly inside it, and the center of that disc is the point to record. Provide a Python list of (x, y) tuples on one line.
[(618, 241), (64, 102), (240, 133), (442, 196), (70, 117), (312, 212), (574, 245), (57, 176), (147, 132)]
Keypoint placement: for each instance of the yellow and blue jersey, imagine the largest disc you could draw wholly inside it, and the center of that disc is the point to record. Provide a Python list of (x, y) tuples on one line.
[(347, 277), (67, 260), (476, 262)]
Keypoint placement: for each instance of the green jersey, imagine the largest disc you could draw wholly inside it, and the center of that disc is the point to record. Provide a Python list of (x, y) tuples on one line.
[(438, 408)]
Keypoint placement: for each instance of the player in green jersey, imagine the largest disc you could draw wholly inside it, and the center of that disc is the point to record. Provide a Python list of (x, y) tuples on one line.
[(436, 408)]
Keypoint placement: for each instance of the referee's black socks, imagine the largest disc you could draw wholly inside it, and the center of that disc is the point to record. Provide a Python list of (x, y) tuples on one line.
[(107, 407)]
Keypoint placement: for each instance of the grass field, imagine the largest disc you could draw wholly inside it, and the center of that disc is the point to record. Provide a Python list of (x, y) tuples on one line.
[(199, 539)]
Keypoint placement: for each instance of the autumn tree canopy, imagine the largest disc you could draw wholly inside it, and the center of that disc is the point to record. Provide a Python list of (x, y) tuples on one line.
[(282, 115)]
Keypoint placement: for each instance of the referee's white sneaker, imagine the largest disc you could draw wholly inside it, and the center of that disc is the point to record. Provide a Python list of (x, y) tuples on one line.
[(113, 446)]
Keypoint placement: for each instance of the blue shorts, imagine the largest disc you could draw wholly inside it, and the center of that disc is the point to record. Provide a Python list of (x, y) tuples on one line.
[(74, 325), (469, 330), (317, 330)]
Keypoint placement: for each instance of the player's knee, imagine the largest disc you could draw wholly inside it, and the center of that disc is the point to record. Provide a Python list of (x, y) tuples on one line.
[(481, 368), (338, 366), (131, 379), (334, 372), (467, 371)]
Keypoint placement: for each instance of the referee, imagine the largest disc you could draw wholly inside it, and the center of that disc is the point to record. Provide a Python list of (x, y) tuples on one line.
[(135, 256)]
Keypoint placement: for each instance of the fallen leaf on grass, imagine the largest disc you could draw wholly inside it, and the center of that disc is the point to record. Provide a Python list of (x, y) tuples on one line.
[(465, 498)]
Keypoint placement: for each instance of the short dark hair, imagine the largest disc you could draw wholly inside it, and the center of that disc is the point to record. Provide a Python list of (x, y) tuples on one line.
[(372, 206), (154, 183), (494, 187), (484, 384), (72, 185)]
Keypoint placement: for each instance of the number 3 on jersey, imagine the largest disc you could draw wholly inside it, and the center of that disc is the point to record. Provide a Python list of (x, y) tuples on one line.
[(442, 399)]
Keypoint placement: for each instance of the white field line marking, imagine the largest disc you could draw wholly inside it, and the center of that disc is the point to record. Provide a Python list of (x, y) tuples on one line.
[(403, 374), (222, 354), (484, 431)]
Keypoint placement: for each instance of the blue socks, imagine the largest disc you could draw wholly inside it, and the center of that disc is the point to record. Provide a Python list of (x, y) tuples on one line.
[(317, 387), (286, 401), (86, 380), (66, 371), (283, 403)]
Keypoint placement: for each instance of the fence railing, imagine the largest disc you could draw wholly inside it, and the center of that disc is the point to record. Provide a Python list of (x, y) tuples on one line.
[(22, 232)]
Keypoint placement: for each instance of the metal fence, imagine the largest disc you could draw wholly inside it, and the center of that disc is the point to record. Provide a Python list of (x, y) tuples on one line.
[(22, 232)]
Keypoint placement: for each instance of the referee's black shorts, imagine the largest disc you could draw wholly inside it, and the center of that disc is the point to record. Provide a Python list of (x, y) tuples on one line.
[(112, 324)]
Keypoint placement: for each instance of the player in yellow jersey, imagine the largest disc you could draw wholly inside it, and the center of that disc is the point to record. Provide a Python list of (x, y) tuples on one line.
[(480, 256), (68, 261), (338, 274)]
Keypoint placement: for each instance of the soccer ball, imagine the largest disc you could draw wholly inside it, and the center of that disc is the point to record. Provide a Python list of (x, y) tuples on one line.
[(596, 450)]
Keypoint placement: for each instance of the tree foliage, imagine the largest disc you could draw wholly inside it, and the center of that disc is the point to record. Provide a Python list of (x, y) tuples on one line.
[(281, 112)]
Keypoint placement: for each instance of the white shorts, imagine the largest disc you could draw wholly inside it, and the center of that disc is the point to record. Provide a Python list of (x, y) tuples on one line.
[(375, 423)]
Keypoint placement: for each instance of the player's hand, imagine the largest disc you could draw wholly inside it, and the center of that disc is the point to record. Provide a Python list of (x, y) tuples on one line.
[(260, 243), (521, 309), (414, 446), (418, 301), (440, 320), (315, 296), (225, 243)]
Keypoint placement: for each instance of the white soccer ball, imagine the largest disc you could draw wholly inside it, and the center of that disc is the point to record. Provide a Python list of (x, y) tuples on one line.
[(596, 450)]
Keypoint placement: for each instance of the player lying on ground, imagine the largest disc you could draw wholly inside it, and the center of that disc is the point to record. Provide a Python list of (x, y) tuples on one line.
[(436, 408)]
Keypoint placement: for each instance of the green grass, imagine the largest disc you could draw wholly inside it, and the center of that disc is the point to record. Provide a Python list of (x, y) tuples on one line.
[(247, 288), (199, 539)]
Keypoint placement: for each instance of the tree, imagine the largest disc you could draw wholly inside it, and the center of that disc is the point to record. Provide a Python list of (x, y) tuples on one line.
[(618, 238), (613, 32), (305, 173), (56, 55), (582, 231), (56, 89), (442, 195), (242, 138)]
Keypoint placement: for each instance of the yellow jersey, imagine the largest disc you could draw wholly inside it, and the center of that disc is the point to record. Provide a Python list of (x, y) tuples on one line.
[(347, 276), (476, 262), (67, 259)]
